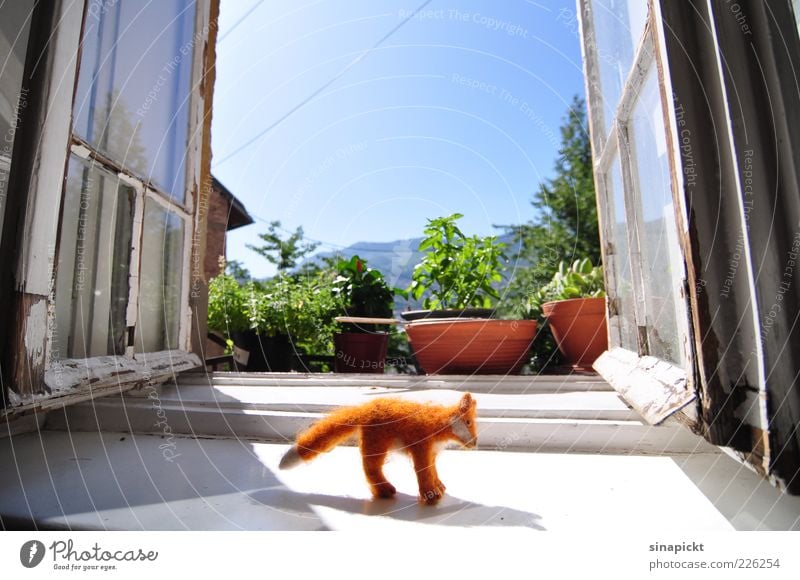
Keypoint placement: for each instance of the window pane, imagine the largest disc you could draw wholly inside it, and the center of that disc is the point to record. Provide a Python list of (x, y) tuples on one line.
[(132, 101), (93, 264), (161, 280), (619, 25), (662, 262), (621, 259), (14, 27)]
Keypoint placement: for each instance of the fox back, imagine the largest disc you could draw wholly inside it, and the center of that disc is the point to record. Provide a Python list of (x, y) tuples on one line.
[(386, 424)]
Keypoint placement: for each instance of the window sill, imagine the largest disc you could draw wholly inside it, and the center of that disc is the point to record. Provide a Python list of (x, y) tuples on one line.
[(74, 380)]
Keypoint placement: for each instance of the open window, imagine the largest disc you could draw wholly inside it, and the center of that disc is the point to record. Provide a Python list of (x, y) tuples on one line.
[(646, 276), (106, 202), (695, 126)]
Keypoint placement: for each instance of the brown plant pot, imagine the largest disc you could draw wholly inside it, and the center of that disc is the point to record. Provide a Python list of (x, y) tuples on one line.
[(479, 346), (579, 328), (358, 352)]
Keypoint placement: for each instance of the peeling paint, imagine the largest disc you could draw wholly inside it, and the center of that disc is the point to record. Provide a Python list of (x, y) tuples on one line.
[(36, 332)]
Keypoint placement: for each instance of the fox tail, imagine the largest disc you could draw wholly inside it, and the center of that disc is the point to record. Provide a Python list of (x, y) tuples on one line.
[(322, 436)]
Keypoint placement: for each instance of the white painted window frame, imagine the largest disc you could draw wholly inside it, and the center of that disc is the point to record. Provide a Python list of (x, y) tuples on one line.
[(61, 377), (637, 375), (147, 190)]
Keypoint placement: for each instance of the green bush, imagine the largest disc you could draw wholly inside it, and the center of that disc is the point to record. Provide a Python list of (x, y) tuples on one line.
[(312, 305), (302, 307), (227, 311)]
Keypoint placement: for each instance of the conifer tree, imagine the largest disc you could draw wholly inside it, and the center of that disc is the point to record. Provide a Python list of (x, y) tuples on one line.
[(564, 226)]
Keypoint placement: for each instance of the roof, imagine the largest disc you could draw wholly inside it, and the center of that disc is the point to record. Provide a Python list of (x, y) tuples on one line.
[(237, 216)]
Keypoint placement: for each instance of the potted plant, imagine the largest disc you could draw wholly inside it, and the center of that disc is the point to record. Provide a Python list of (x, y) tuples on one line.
[(574, 306), (364, 294), (457, 275)]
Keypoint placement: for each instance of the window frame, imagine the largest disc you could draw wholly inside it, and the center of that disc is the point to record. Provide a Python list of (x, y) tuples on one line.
[(34, 379), (146, 189), (656, 388)]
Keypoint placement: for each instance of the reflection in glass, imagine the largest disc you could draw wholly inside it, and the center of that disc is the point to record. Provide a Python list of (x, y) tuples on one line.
[(132, 101), (15, 19), (662, 262), (161, 279), (93, 264), (622, 265), (618, 26)]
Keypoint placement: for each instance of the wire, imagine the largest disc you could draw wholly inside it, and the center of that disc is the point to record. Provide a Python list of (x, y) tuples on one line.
[(238, 22), (308, 99)]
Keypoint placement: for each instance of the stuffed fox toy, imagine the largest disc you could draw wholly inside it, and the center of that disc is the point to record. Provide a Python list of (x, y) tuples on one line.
[(383, 425)]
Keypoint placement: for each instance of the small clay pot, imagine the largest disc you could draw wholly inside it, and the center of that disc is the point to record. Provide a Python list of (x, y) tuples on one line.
[(579, 328), (360, 352)]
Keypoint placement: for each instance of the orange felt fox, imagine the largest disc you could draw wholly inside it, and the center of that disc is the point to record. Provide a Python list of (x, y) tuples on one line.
[(387, 424)]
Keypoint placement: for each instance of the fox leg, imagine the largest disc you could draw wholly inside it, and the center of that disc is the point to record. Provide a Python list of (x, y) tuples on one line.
[(373, 456), (431, 488)]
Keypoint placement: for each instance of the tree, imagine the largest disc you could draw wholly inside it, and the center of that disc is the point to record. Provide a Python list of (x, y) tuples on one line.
[(236, 269), (565, 225), (284, 253)]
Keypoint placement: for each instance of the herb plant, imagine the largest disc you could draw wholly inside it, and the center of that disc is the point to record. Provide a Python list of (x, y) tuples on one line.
[(457, 271), (580, 280), (363, 292)]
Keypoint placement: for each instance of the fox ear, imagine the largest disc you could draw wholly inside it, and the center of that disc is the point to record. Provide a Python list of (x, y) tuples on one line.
[(466, 403)]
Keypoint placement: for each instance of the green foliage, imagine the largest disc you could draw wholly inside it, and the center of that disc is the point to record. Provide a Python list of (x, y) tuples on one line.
[(284, 253), (302, 307), (457, 271), (580, 280), (312, 304), (363, 292), (227, 300), (267, 306), (565, 225)]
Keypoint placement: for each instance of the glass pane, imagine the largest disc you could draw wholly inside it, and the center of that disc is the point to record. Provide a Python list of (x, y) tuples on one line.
[(662, 261), (93, 264), (14, 27), (132, 101), (621, 262), (619, 25), (161, 280)]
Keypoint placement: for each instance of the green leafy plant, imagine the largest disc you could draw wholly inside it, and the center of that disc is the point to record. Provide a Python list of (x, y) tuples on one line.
[(363, 292), (302, 307), (580, 280), (312, 304), (227, 300), (457, 271), (267, 305)]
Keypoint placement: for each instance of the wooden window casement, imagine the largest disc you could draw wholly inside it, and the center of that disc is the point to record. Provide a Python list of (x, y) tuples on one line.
[(650, 347), (724, 134), (108, 222)]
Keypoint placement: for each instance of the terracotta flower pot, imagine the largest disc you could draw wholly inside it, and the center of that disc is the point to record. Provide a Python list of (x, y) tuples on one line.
[(358, 352), (472, 346), (579, 328)]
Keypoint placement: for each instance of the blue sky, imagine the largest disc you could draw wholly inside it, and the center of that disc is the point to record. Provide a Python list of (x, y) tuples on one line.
[(458, 110)]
